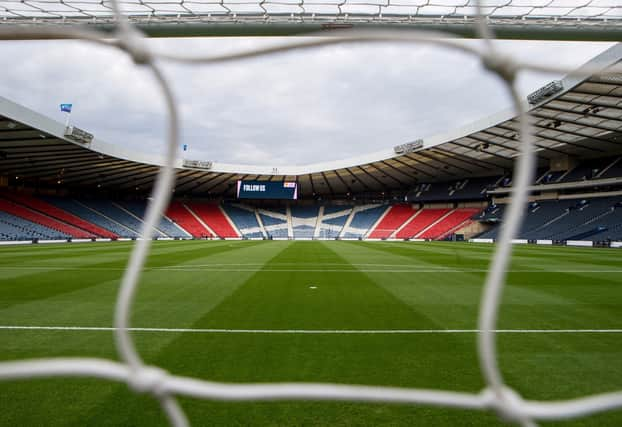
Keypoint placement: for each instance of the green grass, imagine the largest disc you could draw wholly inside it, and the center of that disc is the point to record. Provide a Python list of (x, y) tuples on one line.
[(266, 285)]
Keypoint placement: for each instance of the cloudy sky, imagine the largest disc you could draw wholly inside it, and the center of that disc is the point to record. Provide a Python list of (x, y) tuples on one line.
[(295, 108)]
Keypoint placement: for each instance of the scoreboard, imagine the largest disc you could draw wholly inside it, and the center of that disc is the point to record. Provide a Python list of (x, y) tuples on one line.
[(267, 190)]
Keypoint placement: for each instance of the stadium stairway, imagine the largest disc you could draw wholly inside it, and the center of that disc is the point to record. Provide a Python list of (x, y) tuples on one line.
[(187, 220), (395, 217), (44, 220), (215, 218), (59, 214)]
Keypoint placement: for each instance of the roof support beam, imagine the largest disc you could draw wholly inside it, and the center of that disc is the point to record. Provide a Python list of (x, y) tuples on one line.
[(401, 162), (414, 178), (330, 188), (400, 183)]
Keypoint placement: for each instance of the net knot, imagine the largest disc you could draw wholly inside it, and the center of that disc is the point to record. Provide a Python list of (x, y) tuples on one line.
[(148, 379), (132, 42), (507, 403), (500, 64)]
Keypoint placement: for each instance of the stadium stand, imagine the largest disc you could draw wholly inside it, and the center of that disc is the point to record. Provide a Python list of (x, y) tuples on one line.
[(448, 223), (77, 208), (462, 190), (361, 220), (575, 219), (116, 213), (275, 222), (588, 169), (395, 216), (16, 228), (492, 213), (333, 220), (424, 219), (304, 221), (613, 170), (214, 217), (178, 213), (245, 220), (42, 219), (50, 210), (138, 208)]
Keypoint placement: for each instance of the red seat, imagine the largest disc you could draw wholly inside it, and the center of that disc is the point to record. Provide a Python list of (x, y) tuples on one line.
[(39, 218), (213, 216), (450, 222), (58, 213), (178, 213), (425, 218), (395, 217)]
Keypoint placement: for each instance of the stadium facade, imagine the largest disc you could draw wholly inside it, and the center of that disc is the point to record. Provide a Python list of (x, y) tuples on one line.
[(65, 183)]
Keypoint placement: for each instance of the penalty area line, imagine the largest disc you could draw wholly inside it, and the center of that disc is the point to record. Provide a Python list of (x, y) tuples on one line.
[(316, 331)]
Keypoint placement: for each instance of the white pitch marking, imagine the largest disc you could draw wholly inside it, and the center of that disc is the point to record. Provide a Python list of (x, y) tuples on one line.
[(301, 270), (318, 331)]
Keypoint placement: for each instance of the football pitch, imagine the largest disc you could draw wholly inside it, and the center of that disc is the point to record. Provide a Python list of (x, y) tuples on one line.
[(379, 313)]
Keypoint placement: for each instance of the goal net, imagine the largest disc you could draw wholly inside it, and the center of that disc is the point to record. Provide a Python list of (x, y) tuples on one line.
[(550, 19), (26, 19)]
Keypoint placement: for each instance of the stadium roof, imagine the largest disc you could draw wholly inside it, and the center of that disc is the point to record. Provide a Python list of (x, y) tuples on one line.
[(583, 120)]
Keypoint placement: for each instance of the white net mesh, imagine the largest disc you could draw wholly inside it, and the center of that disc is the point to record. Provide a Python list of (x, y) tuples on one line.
[(496, 396), (584, 12)]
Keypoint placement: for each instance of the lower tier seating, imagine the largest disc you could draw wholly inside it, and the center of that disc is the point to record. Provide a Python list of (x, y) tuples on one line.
[(15, 228), (47, 221), (181, 215), (214, 217)]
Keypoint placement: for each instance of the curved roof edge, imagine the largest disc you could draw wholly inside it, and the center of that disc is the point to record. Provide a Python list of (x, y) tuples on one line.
[(57, 129)]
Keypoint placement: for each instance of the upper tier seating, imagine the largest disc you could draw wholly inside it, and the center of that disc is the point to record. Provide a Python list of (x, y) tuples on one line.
[(39, 218), (614, 171), (61, 215), (465, 189), (139, 208), (79, 209), (588, 169), (392, 220), (177, 212), (16, 228), (424, 219), (214, 217)]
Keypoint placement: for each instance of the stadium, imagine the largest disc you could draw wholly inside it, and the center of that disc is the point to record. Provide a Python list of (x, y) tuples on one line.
[(467, 278)]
